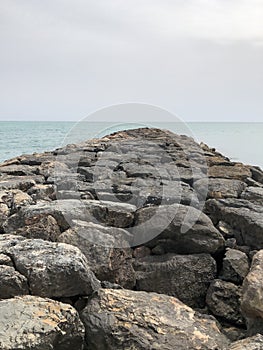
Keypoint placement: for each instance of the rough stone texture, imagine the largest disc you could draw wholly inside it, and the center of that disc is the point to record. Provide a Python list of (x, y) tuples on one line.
[(147, 321), (186, 277), (236, 171), (243, 216), (252, 296), (166, 223), (253, 194), (100, 246), (252, 343), (51, 269), (220, 188), (12, 282), (235, 266), (39, 324), (223, 299)]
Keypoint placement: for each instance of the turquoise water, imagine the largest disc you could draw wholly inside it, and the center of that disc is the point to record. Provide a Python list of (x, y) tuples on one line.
[(238, 141)]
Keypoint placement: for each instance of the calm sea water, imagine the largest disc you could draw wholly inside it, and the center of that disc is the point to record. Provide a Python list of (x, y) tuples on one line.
[(238, 141)]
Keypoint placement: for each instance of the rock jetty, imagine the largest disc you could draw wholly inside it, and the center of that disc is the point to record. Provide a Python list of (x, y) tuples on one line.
[(142, 239)]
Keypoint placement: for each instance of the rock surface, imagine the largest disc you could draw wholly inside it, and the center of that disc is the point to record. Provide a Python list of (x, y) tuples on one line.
[(39, 324), (141, 209), (147, 321)]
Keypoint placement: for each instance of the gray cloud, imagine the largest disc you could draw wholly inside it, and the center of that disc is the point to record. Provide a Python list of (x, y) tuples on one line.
[(63, 59)]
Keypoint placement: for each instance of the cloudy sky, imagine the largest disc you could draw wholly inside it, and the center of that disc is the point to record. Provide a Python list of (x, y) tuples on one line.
[(63, 59)]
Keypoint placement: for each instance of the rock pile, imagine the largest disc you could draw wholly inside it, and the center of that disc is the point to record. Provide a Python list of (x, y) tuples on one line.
[(140, 240)]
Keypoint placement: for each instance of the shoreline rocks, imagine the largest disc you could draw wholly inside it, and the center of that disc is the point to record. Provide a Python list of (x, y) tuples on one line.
[(152, 240)]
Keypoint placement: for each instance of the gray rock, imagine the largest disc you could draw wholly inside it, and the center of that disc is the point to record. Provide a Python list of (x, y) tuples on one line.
[(252, 295), (234, 171), (177, 228), (39, 324), (12, 283), (235, 266), (252, 343), (223, 300), (104, 248), (147, 321), (244, 217), (18, 170), (51, 269), (186, 277), (220, 188), (254, 195), (22, 183)]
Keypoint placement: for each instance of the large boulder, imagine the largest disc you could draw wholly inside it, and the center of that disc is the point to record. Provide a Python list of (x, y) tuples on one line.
[(51, 269), (106, 249), (115, 319), (39, 324), (235, 266), (243, 216), (220, 188), (177, 228), (186, 277), (252, 296)]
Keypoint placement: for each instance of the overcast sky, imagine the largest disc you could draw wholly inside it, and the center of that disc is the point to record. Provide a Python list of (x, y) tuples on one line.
[(63, 59)]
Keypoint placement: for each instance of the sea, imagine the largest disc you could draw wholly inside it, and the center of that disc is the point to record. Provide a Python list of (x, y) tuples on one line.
[(241, 142)]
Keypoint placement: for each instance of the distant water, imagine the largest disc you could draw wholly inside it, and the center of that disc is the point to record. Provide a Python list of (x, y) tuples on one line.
[(238, 141)]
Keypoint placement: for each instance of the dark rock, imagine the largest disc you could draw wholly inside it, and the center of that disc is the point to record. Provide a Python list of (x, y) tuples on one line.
[(42, 192), (178, 229), (146, 321), (223, 300), (51, 269), (257, 174), (18, 170), (12, 283), (254, 195), (38, 324), (235, 266), (243, 216), (107, 251), (186, 277)]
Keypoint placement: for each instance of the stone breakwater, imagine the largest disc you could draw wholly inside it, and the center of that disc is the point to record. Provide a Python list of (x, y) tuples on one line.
[(140, 240)]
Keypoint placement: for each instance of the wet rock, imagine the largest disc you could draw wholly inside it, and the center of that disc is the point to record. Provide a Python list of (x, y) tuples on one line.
[(107, 251), (223, 300), (147, 321), (51, 269), (12, 283), (252, 343), (178, 229), (243, 216), (252, 295), (186, 277), (235, 266), (35, 323)]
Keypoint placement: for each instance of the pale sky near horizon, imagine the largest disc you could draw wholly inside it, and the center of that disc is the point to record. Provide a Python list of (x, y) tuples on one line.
[(199, 59)]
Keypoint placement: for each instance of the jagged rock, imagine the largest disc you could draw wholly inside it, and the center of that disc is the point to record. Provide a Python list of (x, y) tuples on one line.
[(22, 183), (223, 300), (235, 266), (146, 321), (254, 195), (257, 174), (65, 211), (12, 282), (39, 324), (243, 216), (252, 343), (42, 192), (220, 188), (252, 296), (18, 170), (186, 277), (51, 269), (5, 260), (104, 248), (163, 226), (45, 228)]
